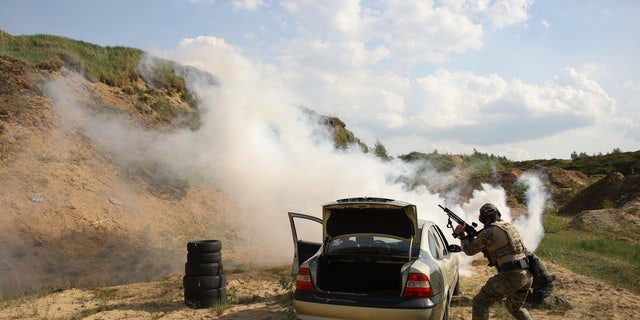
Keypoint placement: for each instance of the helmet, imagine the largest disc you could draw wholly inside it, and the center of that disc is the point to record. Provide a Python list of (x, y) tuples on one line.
[(489, 210)]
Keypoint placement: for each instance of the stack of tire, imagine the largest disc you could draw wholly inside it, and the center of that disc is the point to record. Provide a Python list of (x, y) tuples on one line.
[(205, 283)]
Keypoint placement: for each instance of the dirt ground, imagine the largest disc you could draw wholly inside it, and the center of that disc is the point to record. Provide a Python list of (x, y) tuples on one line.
[(265, 294)]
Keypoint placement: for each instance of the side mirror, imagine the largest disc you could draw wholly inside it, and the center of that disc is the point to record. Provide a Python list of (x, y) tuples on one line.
[(454, 248)]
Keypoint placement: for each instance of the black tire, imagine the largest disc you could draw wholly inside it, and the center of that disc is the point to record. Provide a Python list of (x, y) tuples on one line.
[(205, 299), (202, 269), (194, 284), (204, 246), (209, 257)]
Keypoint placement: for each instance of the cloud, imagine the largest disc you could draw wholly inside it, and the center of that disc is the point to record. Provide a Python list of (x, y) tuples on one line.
[(209, 2), (503, 13), (351, 50), (481, 110), (489, 110), (474, 109), (545, 24), (383, 68), (247, 4), (496, 14), (411, 32), (633, 84)]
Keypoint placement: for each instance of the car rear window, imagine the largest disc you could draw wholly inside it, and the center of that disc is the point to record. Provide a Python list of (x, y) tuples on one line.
[(369, 244)]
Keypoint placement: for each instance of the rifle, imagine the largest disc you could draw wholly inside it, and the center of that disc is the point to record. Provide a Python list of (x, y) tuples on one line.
[(469, 229)]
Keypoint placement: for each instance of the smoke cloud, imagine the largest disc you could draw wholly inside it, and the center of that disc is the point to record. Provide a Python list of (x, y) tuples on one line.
[(530, 226), (257, 145)]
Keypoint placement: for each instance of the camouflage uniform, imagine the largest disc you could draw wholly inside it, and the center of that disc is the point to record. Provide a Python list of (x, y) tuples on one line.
[(503, 245), (542, 282)]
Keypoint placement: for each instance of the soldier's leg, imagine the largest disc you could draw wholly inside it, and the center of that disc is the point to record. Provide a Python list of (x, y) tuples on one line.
[(498, 287), (515, 301), (515, 305), (542, 281), (490, 293)]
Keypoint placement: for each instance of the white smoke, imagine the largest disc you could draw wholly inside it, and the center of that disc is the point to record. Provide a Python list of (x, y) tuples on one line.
[(261, 150), (257, 146), (530, 226)]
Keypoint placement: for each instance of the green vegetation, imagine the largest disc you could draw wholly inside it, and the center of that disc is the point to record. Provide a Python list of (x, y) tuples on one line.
[(342, 137), (603, 164), (483, 163), (477, 163), (623, 162), (115, 66), (593, 253), (380, 151)]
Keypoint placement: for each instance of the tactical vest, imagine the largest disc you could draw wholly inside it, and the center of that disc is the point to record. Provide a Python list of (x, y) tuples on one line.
[(514, 241)]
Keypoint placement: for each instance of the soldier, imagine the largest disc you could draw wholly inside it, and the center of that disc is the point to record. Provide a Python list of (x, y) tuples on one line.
[(504, 247)]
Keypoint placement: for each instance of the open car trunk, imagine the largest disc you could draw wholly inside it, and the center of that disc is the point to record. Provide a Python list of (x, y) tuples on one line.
[(361, 275), (367, 269)]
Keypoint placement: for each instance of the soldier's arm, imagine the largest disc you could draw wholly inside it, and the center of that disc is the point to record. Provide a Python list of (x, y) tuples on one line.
[(471, 246)]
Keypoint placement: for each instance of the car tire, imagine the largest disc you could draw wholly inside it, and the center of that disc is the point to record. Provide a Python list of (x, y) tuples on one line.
[(194, 284), (204, 246), (204, 281), (203, 269), (206, 298), (207, 257)]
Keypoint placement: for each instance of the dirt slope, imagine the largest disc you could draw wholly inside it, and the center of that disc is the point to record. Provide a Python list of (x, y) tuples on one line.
[(72, 214)]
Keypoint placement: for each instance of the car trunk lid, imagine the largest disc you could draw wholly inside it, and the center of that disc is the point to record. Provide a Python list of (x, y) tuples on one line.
[(370, 215)]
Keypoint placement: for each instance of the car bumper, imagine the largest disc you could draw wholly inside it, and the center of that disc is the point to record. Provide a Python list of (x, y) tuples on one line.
[(308, 305)]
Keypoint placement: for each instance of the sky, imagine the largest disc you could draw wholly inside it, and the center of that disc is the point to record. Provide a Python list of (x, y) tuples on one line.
[(516, 78)]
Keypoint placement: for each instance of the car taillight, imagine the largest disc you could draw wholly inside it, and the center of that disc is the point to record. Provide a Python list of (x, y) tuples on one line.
[(418, 285), (303, 280)]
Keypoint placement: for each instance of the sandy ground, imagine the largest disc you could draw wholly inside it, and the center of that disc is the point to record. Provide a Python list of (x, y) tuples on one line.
[(265, 294)]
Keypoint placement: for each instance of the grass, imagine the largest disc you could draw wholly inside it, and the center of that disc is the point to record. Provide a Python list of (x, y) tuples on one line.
[(29, 306), (112, 65), (115, 66), (591, 253)]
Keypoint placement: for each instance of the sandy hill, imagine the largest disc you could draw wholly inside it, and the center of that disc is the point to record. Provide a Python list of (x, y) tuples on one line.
[(73, 214)]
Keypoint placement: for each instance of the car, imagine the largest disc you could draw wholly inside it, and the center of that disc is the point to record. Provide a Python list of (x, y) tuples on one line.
[(374, 260)]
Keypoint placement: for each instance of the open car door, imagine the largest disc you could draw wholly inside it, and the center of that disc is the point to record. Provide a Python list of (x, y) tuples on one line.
[(307, 237)]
